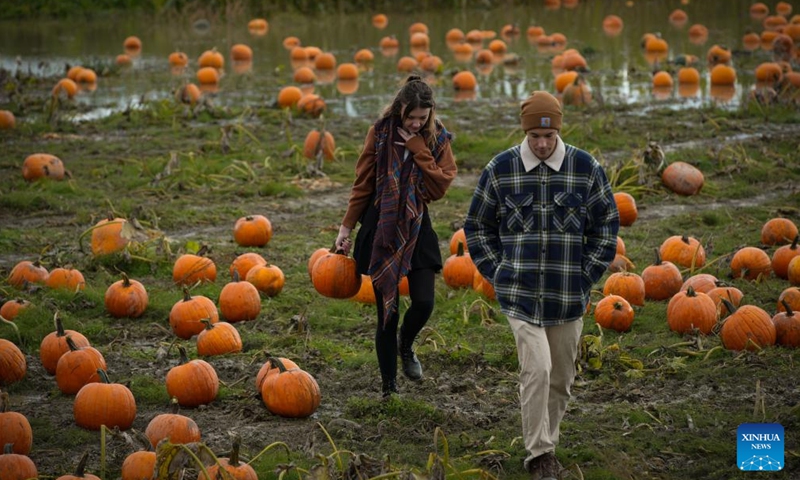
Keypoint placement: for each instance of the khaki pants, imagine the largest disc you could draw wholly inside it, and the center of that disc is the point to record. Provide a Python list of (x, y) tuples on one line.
[(547, 370)]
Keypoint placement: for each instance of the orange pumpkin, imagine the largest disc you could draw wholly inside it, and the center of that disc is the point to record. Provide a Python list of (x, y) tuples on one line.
[(683, 250), (218, 339), (723, 75), (662, 279), (718, 54), (614, 312), (458, 270), (107, 236), (139, 465), (483, 286), (787, 327), (750, 263), (366, 292), (14, 466), (789, 296), (211, 58), (683, 178), (12, 308), (688, 310), (290, 393), (191, 268), (627, 285), (104, 403), (132, 43), (77, 367), (380, 21), (192, 382), (241, 53), (465, 81), (67, 278), (731, 294), (793, 271), (14, 428), (234, 468), (748, 327), (189, 94), (778, 231), (41, 165), (80, 471), (319, 142), (312, 105), (621, 263), (176, 428), (701, 282), (268, 369), (239, 301), (7, 120), (258, 27), (783, 256), (54, 345), (185, 315), (126, 298), (244, 262), (289, 96), (27, 272), (626, 205), (252, 231), (334, 276), (64, 88), (268, 279), (178, 59)]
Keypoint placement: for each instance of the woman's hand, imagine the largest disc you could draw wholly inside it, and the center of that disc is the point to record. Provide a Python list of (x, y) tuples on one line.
[(405, 135), (343, 241)]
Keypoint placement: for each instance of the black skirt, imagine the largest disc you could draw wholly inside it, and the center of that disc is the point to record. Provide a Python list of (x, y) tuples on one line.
[(426, 251)]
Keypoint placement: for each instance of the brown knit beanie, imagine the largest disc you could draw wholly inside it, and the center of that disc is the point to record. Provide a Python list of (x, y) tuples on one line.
[(540, 110)]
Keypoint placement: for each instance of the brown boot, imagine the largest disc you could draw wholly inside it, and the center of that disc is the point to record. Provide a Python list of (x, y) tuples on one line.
[(549, 466)]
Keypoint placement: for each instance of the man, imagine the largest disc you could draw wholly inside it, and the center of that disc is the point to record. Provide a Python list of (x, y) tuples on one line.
[(542, 227)]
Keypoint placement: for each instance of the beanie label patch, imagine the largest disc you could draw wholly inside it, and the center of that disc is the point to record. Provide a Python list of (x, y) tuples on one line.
[(545, 122)]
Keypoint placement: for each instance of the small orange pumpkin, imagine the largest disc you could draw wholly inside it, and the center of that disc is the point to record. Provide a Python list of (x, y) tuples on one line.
[(662, 279), (177, 428), (139, 465), (41, 165), (366, 292), (14, 428), (787, 327), (7, 120), (458, 270), (626, 205), (252, 231), (683, 178), (683, 250), (778, 231), (783, 256), (614, 312), (67, 278), (317, 142), (239, 301), (107, 236), (688, 310), (747, 327), (289, 96), (211, 58), (14, 466), (244, 262), (12, 308), (483, 286), (191, 268), (234, 468), (54, 345), (791, 296), (700, 282), (627, 285), (268, 279), (268, 369)]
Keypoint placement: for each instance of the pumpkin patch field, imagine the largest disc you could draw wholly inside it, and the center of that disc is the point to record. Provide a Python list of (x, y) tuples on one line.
[(170, 304)]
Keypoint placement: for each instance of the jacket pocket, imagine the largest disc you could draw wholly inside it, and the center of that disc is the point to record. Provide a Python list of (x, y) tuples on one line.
[(519, 213), (569, 213)]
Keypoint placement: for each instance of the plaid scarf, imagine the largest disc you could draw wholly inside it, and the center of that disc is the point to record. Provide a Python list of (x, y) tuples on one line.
[(398, 182)]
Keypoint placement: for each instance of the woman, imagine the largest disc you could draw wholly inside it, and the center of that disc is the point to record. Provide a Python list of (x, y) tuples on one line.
[(406, 163)]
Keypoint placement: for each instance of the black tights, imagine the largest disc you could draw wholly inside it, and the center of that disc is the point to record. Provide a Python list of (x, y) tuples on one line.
[(420, 286)]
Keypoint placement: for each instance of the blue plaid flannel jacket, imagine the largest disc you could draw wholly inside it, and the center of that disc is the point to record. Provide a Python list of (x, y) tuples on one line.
[(542, 237)]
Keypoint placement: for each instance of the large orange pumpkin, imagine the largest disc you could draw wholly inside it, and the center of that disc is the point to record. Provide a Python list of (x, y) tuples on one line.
[(683, 250), (218, 339), (789, 296), (54, 345), (139, 465), (77, 367), (291, 393), (239, 301), (778, 231), (191, 268), (192, 382), (750, 263), (67, 278), (25, 272), (268, 279), (268, 369), (787, 327), (683, 178), (662, 279), (688, 310), (12, 363), (104, 403), (14, 466), (700, 282), (334, 276), (244, 262), (186, 315), (748, 327), (315, 143), (783, 256), (627, 285), (458, 270)]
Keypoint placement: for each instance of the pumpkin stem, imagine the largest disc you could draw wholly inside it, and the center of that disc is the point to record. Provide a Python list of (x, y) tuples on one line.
[(658, 256), (186, 295), (233, 460), (184, 359), (789, 313), (59, 325), (4, 400), (71, 344), (685, 239), (103, 376), (126, 282), (204, 249), (82, 464), (277, 363), (460, 251), (794, 242), (690, 292), (176, 406), (728, 305), (207, 323), (8, 449), (235, 275)]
